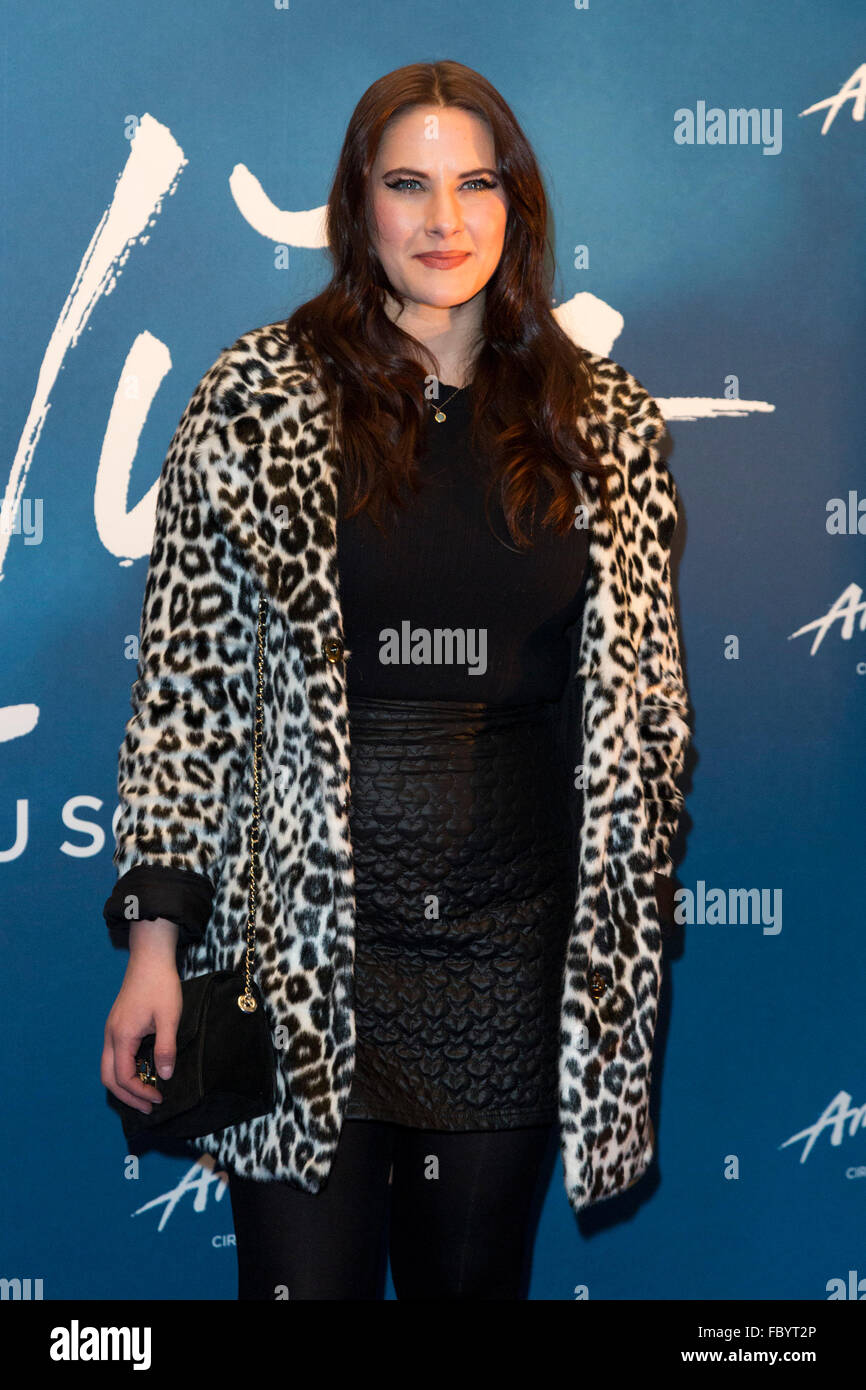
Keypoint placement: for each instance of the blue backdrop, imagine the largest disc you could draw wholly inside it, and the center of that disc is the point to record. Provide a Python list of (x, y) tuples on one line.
[(171, 201)]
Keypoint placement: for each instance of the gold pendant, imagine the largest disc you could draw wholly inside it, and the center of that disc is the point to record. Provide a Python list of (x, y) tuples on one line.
[(439, 416)]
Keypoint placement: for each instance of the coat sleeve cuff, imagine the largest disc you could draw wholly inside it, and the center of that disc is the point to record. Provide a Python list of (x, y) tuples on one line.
[(179, 895)]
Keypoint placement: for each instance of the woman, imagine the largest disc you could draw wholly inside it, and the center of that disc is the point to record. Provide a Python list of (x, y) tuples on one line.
[(444, 993)]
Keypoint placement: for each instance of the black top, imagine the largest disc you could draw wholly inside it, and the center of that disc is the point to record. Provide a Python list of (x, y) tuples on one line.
[(444, 588), (445, 608)]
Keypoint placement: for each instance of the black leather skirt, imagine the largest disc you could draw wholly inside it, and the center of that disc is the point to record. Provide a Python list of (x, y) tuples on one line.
[(464, 884)]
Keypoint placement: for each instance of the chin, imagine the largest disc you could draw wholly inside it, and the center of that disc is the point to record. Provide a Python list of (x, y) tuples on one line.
[(456, 291)]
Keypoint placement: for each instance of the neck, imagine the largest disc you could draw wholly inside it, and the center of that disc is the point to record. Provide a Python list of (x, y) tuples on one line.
[(452, 334)]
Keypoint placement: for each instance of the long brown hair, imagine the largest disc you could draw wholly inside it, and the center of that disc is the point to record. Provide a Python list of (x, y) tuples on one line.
[(530, 381)]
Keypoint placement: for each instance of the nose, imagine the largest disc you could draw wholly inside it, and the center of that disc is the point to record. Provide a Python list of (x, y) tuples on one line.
[(444, 215)]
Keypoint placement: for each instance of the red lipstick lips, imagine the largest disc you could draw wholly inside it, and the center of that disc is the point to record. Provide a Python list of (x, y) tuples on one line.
[(443, 260)]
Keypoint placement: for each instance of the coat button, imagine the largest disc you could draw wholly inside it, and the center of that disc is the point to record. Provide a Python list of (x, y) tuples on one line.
[(333, 648), (597, 984)]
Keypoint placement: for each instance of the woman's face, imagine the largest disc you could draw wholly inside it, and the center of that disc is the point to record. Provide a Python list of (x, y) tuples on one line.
[(434, 188)]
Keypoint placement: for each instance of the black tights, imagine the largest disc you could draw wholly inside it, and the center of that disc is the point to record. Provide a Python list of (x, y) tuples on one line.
[(461, 1208)]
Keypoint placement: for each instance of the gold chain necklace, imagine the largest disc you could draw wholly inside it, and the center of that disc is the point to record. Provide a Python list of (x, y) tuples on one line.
[(439, 415)]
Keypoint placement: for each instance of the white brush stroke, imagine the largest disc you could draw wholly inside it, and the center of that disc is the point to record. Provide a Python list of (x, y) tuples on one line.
[(594, 325), (305, 229), (129, 534), (709, 407), (151, 171), (17, 720)]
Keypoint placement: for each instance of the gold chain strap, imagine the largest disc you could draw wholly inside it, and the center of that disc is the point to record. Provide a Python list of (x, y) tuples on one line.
[(246, 1001)]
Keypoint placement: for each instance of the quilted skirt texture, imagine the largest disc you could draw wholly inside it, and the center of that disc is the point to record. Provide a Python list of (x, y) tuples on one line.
[(464, 886)]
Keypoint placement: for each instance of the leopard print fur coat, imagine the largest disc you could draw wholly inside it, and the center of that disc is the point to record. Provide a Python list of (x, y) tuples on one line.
[(247, 505)]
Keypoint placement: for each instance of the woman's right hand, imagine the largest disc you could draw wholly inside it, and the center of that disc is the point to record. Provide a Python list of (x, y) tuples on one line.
[(149, 1001)]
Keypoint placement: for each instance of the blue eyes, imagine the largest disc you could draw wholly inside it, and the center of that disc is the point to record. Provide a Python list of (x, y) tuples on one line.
[(480, 182)]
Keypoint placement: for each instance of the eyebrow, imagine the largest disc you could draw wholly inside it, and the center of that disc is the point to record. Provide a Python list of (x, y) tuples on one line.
[(419, 173)]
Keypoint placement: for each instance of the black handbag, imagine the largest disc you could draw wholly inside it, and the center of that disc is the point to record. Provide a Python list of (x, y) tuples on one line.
[(225, 1070)]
